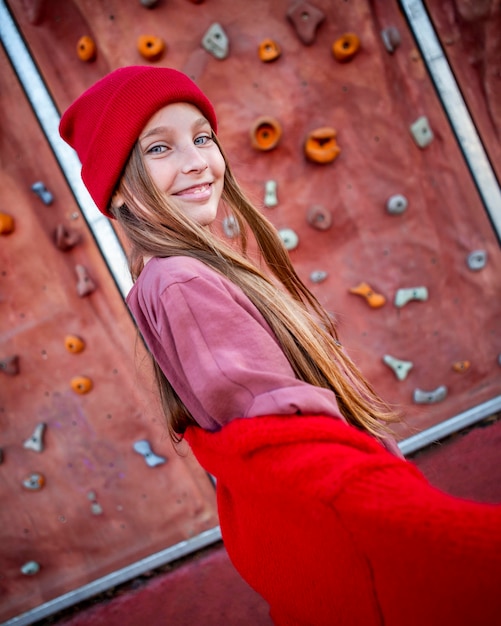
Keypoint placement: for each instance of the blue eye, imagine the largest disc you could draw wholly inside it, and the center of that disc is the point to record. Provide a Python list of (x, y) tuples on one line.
[(157, 149), (203, 139)]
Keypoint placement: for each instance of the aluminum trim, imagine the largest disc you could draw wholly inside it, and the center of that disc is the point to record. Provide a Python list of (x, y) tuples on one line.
[(449, 427)]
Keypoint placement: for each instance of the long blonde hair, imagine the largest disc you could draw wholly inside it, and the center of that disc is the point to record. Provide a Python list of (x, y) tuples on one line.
[(303, 328)]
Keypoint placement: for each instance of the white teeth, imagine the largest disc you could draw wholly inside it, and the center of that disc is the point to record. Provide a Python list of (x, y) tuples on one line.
[(200, 189)]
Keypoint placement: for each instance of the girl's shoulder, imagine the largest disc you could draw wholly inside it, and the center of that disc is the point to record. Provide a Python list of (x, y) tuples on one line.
[(161, 273)]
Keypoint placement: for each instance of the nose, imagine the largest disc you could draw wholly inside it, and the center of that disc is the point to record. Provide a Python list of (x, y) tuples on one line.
[(193, 160)]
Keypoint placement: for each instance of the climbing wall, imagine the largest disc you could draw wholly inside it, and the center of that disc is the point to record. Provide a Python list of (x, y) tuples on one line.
[(334, 129), (79, 500)]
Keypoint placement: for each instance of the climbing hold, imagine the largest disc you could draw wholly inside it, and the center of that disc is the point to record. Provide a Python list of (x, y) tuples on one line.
[(6, 224), (81, 384), (318, 276), (265, 133), (86, 49), (34, 481), (461, 366), (396, 204), (319, 217), (10, 365), (477, 260), (270, 193), (143, 447), (74, 344), (430, 397), (42, 192), (216, 41), (320, 145), (289, 238), (269, 50), (30, 568), (150, 47), (391, 38), (85, 284), (421, 131), (305, 19), (148, 3), (373, 299), (65, 238), (400, 368), (230, 226), (346, 47), (35, 442), (403, 296), (95, 507)]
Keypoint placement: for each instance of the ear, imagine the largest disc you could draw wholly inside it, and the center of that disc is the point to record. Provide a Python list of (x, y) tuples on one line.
[(117, 200)]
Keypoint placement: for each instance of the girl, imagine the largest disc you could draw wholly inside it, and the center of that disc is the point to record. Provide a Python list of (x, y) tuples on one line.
[(322, 520)]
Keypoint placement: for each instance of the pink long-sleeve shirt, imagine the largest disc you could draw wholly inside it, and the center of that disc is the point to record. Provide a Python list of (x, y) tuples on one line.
[(215, 347)]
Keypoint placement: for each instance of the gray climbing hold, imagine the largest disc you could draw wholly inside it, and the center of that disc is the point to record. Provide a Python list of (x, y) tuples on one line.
[(42, 192), (318, 276), (35, 442), (216, 41), (391, 38), (143, 447), (477, 260), (430, 397), (396, 204), (230, 226)]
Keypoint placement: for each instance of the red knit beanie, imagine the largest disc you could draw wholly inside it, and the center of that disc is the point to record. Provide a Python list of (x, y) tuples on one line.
[(104, 123)]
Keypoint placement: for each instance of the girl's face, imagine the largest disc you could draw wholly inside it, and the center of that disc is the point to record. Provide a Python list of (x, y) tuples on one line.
[(183, 160)]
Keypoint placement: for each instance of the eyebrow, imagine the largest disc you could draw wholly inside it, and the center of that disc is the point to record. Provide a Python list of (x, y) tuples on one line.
[(158, 130)]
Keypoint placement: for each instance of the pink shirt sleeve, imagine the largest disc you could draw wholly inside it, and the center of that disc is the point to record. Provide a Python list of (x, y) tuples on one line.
[(215, 347)]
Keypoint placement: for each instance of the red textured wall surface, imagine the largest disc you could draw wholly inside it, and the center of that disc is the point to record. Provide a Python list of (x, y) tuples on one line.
[(370, 101)]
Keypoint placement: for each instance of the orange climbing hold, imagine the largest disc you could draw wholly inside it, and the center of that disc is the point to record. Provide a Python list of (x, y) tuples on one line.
[(346, 47), (461, 366), (74, 344), (320, 145), (150, 47), (269, 50), (374, 300), (6, 224), (81, 384), (266, 133), (86, 49)]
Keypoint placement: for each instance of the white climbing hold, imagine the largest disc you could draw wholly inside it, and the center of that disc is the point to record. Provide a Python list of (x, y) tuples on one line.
[(400, 368), (421, 131), (403, 296), (430, 397), (289, 238), (270, 193), (216, 42)]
